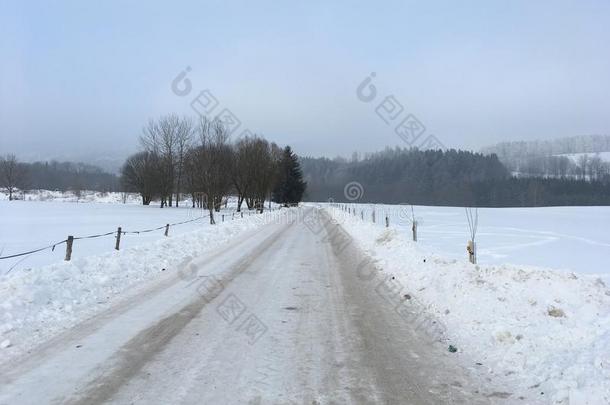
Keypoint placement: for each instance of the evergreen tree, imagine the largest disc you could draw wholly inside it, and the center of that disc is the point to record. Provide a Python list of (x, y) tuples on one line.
[(290, 186)]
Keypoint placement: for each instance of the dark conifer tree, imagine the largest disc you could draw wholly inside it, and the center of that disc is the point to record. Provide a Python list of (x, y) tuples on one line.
[(290, 186)]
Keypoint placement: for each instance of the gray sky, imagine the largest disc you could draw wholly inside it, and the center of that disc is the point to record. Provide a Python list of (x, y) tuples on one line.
[(80, 79)]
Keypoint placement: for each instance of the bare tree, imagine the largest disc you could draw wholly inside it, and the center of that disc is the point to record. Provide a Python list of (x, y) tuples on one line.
[(267, 159), (190, 176), (140, 174), (184, 138), (254, 170), (12, 174), (169, 138), (213, 158), (583, 164), (242, 168), (563, 166), (596, 168)]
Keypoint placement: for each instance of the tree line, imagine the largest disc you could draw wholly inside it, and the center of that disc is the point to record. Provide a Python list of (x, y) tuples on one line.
[(53, 175), (181, 157), (429, 177)]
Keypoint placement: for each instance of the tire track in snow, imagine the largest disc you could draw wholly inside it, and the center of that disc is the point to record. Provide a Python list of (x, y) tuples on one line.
[(132, 357)]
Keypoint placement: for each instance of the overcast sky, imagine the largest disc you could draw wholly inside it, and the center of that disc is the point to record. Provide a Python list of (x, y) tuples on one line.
[(81, 78)]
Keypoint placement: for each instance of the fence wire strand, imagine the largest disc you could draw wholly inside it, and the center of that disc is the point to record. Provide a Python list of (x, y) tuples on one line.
[(52, 246)]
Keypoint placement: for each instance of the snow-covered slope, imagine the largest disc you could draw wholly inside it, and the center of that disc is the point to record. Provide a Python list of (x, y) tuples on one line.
[(574, 157), (548, 331)]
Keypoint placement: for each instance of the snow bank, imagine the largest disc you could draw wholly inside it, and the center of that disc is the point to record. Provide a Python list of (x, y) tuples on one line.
[(38, 303), (546, 332)]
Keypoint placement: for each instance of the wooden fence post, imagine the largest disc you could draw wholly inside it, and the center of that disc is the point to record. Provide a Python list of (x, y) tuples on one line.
[(387, 221), (69, 248), (414, 228), (362, 215), (118, 238), (373, 216), (166, 229)]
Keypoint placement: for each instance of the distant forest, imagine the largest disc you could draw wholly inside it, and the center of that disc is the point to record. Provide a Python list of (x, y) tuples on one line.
[(64, 176), (456, 178)]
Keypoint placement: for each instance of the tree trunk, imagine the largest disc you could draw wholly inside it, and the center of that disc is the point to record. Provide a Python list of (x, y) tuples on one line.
[(178, 182)]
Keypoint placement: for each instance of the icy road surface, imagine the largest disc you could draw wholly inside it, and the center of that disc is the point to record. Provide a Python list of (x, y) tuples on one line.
[(279, 316)]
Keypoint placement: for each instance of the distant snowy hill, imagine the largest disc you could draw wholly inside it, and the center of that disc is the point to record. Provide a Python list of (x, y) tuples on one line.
[(604, 156), (562, 157), (550, 147)]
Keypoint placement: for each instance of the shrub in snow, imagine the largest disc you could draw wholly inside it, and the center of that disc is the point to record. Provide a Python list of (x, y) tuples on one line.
[(556, 312)]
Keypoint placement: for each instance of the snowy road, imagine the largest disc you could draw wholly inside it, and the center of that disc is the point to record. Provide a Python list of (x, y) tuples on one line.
[(279, 316)]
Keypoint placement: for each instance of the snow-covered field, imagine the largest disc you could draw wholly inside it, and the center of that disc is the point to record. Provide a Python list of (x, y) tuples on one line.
[(564, 238), (29, 225), (545, 329)]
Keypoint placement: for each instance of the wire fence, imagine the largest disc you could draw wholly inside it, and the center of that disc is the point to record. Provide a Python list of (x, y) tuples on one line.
[(116, 233), (404, 215)]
